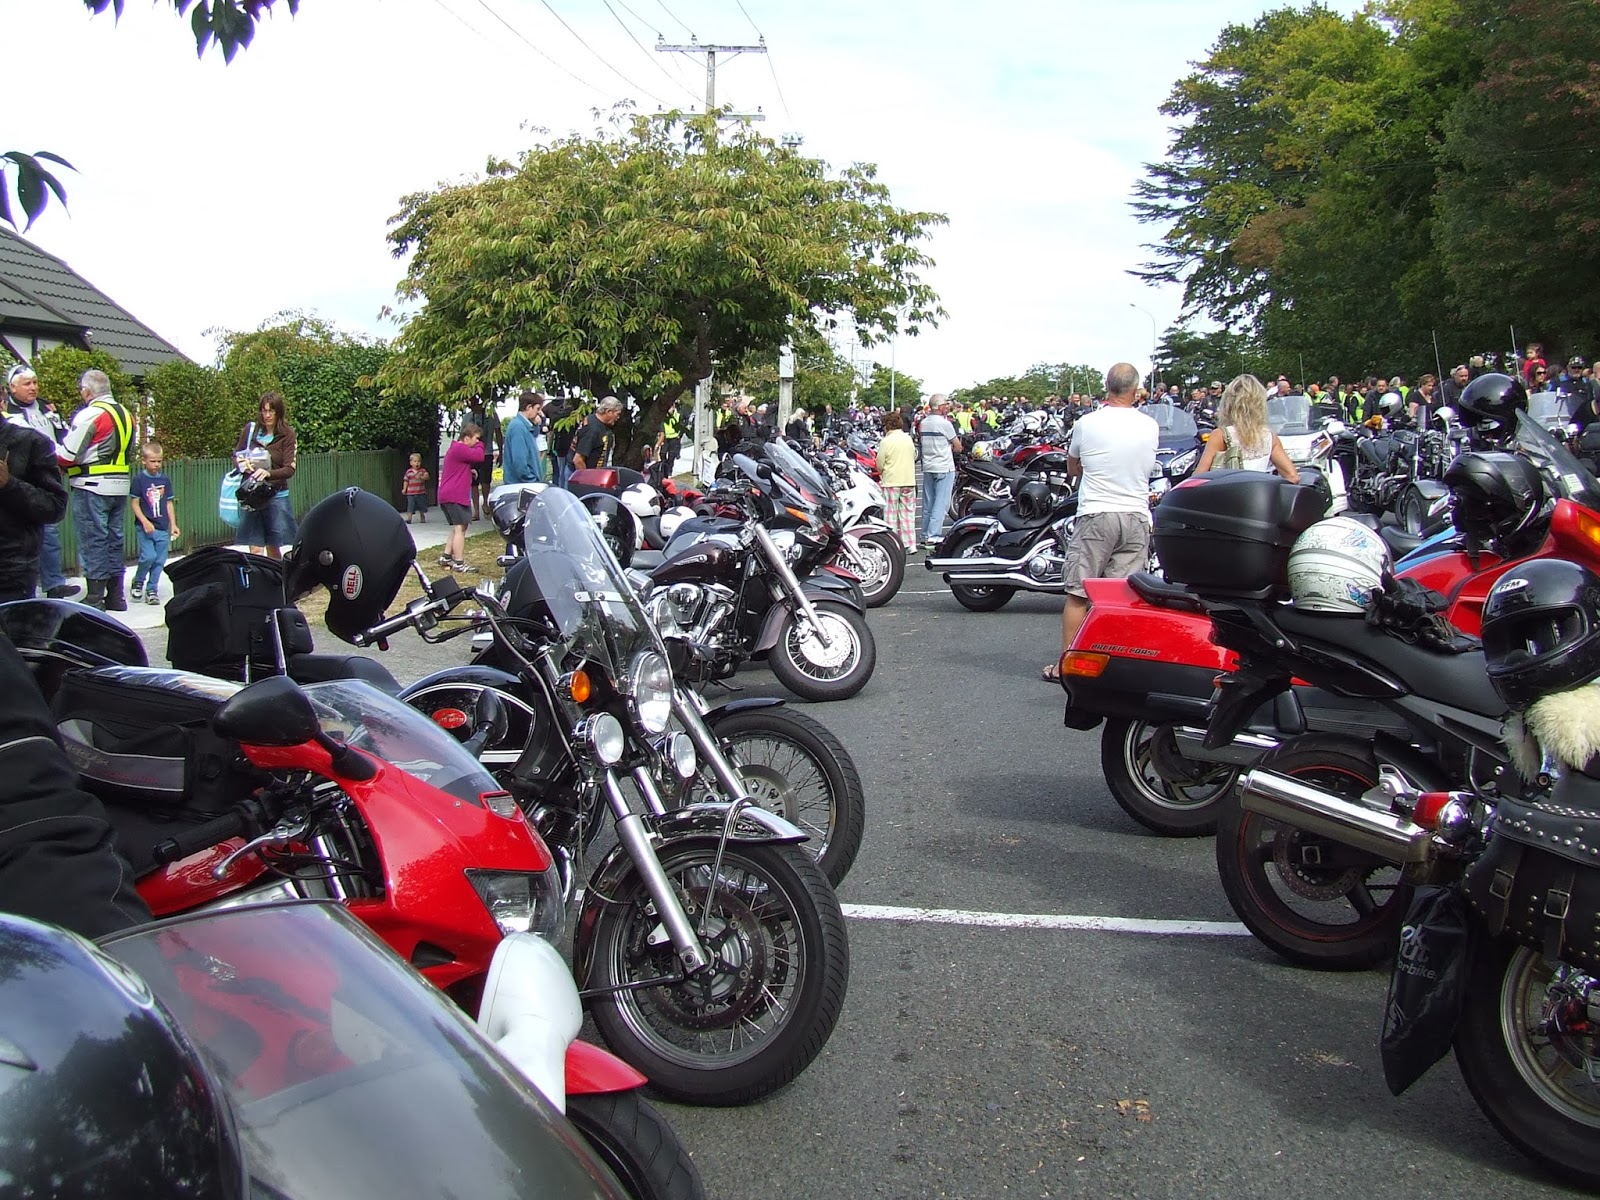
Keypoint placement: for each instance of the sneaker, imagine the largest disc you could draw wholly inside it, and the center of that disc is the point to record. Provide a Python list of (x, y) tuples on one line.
[(63, 591), (152, 597), (458, 565), (136, 591), (446, 561)]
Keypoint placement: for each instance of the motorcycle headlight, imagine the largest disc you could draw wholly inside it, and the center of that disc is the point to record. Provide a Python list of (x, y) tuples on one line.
[(680, 748), (1182, 462), (650, 681), (604, 735), (522, 901)]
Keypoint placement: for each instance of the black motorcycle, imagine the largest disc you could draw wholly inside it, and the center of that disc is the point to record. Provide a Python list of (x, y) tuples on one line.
[(1000, 548)]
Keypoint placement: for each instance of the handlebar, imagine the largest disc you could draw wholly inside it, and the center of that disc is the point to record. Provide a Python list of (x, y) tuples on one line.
[(235, 823), (414, 614)]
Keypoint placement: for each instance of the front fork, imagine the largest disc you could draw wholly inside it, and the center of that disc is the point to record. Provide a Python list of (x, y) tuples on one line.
[(791, 585)]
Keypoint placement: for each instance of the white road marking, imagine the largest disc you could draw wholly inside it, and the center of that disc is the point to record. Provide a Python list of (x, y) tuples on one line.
[(995, 920)]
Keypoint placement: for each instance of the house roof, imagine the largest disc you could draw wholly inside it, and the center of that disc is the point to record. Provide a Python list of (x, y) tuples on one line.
[(40, 291)]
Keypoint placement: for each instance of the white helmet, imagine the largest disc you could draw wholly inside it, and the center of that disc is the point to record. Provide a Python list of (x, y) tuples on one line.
[(1335, 565), (980, 450)]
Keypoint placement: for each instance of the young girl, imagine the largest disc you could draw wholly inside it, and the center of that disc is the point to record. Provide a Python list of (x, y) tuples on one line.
[(414, 487), (455, 493)]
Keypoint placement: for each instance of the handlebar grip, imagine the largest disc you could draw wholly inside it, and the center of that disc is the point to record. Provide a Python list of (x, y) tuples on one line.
[(201, 837)]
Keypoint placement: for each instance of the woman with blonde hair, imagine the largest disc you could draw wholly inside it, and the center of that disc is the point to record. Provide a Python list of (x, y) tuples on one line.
[(1242, 438)]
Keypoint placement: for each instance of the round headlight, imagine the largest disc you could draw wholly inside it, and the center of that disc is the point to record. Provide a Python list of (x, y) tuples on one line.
[(650, 680), (680, 746), (606, 738)]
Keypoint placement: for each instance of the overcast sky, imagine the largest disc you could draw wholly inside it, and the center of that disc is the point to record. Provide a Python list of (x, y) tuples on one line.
[(214, 196)]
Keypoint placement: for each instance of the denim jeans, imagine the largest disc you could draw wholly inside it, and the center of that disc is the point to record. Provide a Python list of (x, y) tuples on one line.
[(99, 520), (273, 525), (50, 575), (936, 489), (152, 557)]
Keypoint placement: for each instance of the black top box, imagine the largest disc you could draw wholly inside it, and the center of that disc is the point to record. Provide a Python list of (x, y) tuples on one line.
[(1231, 531)]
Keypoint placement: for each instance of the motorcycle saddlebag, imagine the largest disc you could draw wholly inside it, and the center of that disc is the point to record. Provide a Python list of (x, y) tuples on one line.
[(1538, 882), (141, 737), (1231, 531), (217, 618)]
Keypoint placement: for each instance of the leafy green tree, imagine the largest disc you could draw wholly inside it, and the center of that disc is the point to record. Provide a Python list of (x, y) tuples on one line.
[(1037, 383), (60, 368), (1191, 359), (189, 410), (337, 406), (875, 393), (822, 376), (631, 261), (253, 362)]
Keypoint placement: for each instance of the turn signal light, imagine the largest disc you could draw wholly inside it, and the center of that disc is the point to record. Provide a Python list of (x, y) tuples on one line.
[(579, 686), (1084, 663), (1589, 528), (1429, 806)]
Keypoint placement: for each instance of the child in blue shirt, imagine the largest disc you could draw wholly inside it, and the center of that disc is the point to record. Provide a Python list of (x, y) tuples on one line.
[(158, 523)]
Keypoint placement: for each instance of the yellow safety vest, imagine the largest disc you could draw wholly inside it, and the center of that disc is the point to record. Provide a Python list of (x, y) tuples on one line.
[(124, 426)]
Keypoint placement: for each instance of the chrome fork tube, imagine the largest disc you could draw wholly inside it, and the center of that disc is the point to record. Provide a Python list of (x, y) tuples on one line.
[(781, 566), (631, 832), (705, 745), (646, 784)]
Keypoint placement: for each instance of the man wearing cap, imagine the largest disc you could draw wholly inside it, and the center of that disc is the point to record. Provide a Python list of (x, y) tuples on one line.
[(32, 497), (22, 386), (94, 455)]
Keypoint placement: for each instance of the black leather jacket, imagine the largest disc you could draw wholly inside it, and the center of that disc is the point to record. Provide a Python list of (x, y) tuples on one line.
[(34, 497)]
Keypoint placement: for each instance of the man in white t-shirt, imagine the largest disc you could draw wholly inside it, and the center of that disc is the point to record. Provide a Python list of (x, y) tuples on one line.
[(1112, 451), (938, 441)]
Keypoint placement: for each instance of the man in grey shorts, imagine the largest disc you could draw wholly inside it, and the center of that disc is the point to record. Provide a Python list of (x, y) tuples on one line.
[(1112, 452)]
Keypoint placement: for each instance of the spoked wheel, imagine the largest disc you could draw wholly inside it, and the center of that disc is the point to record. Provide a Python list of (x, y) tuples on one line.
[(1531, 1057), (813, 670), (1314, 900), (792, 765), (1181, 803), (881, 560), (767, 1005), (637, 1144), (975, 597)]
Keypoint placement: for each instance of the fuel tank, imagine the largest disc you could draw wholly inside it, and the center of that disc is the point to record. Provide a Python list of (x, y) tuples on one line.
[(699, 562)]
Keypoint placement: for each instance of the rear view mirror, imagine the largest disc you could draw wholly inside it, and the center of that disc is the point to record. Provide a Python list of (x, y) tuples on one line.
[(271, 712)]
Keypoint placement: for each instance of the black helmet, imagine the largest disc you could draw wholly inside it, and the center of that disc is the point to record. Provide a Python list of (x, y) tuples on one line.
[(1541, 630), (101, 1093), (1495, 498), (1033, 500), (357, 547), (614, 522), (1490, 404)]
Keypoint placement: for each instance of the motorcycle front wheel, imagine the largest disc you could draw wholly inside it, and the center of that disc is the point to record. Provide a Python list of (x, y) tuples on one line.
[(1316, 901), (755, 1018), (975, 598), (1530, 1059), (814, 671), (1171, 807), (883, 561), (792, 765), (637, 1145)]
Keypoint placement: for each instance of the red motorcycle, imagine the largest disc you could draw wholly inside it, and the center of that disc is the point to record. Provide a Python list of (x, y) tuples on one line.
[(1144, 661), (348, 795)]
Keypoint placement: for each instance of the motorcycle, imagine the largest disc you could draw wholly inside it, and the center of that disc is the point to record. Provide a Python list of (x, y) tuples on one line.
[(997, 550), (870, 550), (1291, 418)]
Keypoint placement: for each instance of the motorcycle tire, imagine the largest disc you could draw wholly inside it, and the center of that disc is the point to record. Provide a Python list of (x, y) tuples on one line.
[(887, 559), (1309, 898), (984, 598), (781, 966), (793, 766), (813, 671), (1516, 1075), (637, 1145), (1170, 807), (1412, 513)]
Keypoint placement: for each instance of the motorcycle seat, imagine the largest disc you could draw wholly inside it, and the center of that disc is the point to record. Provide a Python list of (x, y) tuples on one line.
[(1153, 589), (1459, 680), (1400, 542), (324, 668), (987, 508), (1012, 522)]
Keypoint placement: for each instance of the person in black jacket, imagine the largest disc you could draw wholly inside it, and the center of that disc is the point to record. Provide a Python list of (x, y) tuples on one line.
[(57, 859), (32, 496)]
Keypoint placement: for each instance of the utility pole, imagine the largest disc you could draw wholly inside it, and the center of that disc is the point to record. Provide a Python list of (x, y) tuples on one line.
[(711, 51)]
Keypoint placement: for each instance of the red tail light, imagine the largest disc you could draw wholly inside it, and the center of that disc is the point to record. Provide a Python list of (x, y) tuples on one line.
[(1429, 806)]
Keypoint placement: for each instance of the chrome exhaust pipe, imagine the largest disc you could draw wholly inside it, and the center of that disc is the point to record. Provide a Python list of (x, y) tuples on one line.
[(1389, 837), (995, 578), (1243, 751)]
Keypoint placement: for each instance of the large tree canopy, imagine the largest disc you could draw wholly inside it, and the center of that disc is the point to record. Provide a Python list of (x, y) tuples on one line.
[(637, 260)]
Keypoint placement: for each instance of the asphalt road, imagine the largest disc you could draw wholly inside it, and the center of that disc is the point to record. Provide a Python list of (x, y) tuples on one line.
[(987, 1062)]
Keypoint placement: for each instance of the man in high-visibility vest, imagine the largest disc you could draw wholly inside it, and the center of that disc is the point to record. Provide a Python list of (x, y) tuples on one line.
[(94, 457)]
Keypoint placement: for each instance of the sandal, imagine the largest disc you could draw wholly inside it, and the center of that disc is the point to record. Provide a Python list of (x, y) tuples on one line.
[(1052, 673)]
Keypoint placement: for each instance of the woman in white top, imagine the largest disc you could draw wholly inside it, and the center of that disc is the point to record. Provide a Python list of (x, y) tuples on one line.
[(1242, 423)]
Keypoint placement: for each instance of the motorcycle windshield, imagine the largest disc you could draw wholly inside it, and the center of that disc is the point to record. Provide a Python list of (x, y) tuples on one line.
[(1550, 409), (1564, 475), (782, 458), (347, 1075), (359, 715), (1175, 424), (1288, 416), (595, 615)]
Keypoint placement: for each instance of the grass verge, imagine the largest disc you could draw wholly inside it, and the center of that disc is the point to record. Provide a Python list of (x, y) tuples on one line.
[(481, 551)]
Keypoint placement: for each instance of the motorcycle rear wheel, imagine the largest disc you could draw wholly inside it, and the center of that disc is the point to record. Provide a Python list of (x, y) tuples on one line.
[(1173, 808), (793, 766), (637, 1145), (984, 598), (781, 968), (1311, 899), (1539, 1100), (885, 560), (813, 671)]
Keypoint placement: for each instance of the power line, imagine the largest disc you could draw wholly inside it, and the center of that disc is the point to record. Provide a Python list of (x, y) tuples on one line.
[(603, 61), (521, 38), (674, 16), (654, 61), (639, 19), (770, 65), (460, 18)]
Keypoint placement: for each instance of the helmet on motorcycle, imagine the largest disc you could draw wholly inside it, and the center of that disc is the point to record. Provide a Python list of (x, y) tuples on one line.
[(1494, 497), (1541, 630), (101, 1092), (672, 518), (614, 523), (981, 451), (357, 547), (1033, 500), (1490, 404), (1335, 565)]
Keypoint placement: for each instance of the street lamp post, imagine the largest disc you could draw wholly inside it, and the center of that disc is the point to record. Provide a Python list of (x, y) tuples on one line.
[(1155, 341)]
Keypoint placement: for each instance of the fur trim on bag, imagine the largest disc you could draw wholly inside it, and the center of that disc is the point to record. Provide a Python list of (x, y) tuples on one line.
[(1567, 724)]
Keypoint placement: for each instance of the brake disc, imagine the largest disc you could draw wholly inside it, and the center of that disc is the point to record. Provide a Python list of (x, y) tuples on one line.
[(1304, 880)]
